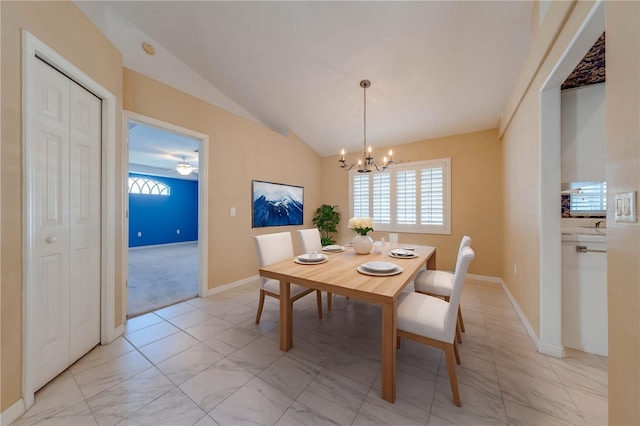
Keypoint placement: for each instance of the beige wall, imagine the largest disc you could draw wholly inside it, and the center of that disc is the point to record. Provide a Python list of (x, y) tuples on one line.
[(239, 151), (623, 239), (65, 29), (521, 153), (476, 182)]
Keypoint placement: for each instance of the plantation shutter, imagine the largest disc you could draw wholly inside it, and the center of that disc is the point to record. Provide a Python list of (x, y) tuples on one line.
[(590, 199), (361, 196), (432, 196), (406, 188), (382, 198)]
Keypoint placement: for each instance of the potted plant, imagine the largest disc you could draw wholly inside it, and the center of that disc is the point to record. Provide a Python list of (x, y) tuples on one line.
[(326, 220)]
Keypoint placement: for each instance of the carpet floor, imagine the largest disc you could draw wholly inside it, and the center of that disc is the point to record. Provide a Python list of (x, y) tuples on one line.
[(161, 275)]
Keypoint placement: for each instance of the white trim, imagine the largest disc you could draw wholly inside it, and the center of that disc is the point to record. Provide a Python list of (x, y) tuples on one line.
[(124, 303), (203, 193), (487, 278), (550, 253), (543, 347), (119, 330), (33, 47), (12, 413), (231, 285)]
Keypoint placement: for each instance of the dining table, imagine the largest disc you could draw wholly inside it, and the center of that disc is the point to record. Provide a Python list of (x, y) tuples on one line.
[(342, 273)]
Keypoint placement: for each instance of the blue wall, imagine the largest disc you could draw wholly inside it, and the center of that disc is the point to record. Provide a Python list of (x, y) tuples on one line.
[(158, 217)]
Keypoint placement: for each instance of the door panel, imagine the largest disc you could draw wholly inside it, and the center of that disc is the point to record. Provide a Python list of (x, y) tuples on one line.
[(51, 223), (85, 147)]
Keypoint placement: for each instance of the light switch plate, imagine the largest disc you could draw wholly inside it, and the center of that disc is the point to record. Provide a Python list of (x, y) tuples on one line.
[(625, 207)]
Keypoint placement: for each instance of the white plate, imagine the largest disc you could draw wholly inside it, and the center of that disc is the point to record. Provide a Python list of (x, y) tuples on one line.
[(306, 258), (365, 271), (379, 266), (333, 248), (301, 262), (402, 252), (395, 256)]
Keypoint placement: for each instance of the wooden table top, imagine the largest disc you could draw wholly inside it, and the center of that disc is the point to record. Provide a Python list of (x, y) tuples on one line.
[(339, 275)]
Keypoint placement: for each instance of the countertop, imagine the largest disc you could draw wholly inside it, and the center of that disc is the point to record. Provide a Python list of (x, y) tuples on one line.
[(584, 234)]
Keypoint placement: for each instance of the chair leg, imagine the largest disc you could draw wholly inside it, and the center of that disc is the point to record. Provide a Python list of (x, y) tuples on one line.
[(449, 350), (460, 320), (260, 306), (458, 334), (319, 300), (455, 351), (329, 299)]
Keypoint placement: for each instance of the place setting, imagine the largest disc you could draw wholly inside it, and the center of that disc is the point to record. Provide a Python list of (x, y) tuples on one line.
[(379, 269), (333, 248), (403, 253), (312, 258)]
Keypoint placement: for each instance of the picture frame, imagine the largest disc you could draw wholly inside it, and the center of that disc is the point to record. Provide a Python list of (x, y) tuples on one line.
[(276, 204)]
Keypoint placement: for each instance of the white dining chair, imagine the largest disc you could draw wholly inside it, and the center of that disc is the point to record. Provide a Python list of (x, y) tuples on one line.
[(274, 248), (432, 321), (439, 283), (310, 241)]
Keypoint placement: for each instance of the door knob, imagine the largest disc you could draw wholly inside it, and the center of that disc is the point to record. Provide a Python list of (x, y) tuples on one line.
[(51, 240)]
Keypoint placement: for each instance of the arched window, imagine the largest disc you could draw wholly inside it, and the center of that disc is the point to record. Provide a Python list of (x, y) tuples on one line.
[(140, 185)]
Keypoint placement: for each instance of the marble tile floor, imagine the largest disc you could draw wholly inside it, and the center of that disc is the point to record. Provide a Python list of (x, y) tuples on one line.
[(205, 362)]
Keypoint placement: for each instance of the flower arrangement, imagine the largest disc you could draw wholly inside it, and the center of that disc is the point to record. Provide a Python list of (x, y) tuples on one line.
[(361, 225)]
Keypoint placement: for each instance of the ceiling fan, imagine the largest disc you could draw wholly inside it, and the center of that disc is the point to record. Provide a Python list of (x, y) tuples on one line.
[(184, 167)]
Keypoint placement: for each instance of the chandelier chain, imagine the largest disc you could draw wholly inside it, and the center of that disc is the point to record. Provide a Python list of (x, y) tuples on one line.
[(367, 163)]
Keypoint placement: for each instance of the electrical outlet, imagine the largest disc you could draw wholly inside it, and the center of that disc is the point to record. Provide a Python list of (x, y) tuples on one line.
[(232, 211), (139, 234), (515, 269), (177, 231)]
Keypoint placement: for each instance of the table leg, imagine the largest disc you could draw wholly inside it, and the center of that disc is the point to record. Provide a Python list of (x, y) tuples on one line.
[(286, 314), (389, 351), (431, 262)]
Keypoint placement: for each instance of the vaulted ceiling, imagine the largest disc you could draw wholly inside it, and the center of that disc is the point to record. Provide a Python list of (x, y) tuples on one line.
[(437, 67)]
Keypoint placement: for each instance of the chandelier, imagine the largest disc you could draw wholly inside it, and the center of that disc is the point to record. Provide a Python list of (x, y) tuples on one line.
[(184, 168), (366, 164)]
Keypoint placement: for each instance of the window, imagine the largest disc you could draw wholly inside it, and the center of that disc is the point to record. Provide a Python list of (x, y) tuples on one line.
[(591, 200), (408, 197), (140, 185)]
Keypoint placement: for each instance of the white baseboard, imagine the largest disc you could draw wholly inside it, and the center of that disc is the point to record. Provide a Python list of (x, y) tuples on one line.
[(225, 287), (487, 278), (179, 243), (552, 349), (542, 347), (12, 413), (527, 325)]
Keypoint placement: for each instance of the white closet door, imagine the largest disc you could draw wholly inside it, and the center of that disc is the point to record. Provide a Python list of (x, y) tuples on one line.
[(50, 115), (65, 126), (84, 168)]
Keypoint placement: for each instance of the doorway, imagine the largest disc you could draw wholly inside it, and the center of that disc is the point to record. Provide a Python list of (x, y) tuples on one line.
[(166, 205), (550, 183)]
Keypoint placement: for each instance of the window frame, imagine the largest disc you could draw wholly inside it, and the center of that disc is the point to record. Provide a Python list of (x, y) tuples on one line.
[(418, 166), (597, 191), (163, 188)]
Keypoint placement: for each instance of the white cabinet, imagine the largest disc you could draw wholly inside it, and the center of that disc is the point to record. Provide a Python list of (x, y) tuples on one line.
[(584, 294), (583, 134)]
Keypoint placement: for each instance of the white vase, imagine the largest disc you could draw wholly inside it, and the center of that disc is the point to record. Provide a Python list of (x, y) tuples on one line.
[(362, 244)]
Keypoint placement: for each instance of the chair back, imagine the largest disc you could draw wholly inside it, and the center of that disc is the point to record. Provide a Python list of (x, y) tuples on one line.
[(462, 265), (310, 240), (273, 248), (464, 242)]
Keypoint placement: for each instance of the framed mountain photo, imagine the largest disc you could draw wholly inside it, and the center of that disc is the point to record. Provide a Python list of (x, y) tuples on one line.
[(276, 204)]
